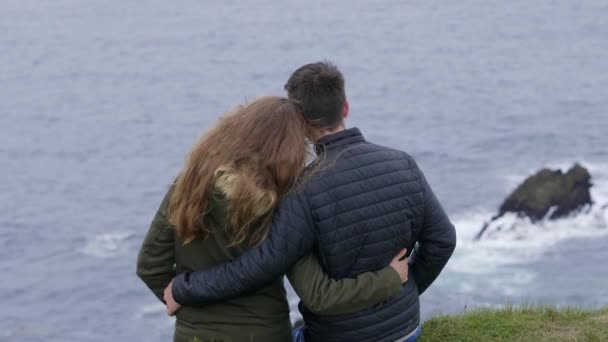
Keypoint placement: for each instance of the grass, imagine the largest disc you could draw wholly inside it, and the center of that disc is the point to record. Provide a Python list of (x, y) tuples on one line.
[(519, 324), (528, 323)]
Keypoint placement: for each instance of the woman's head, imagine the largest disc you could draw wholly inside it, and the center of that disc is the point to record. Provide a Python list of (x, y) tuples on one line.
[(253, 156)]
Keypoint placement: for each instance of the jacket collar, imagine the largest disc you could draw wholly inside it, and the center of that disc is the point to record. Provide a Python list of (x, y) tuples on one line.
[(339, 140)]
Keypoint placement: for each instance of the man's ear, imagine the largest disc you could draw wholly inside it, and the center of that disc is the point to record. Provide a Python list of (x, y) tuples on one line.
[(345, 110)]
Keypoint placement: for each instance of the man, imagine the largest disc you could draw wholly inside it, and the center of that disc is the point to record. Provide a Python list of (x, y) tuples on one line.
[(357, 208)]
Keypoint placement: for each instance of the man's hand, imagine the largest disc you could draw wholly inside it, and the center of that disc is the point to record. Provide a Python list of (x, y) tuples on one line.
[(399, 264), (172, 305)]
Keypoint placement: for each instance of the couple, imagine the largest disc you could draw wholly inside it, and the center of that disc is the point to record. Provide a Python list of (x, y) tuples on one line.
[(247, 209)]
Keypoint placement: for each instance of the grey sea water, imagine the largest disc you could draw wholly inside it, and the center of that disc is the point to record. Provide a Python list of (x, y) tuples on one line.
[(101, 100)]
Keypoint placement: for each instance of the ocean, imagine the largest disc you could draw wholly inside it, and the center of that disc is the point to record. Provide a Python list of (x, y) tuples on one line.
[(101, 100)]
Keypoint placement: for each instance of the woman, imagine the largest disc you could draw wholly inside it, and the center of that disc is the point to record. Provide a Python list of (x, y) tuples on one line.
[(222, 203)]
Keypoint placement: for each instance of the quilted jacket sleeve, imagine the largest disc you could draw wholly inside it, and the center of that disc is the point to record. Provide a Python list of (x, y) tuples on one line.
[(436, 241), (290, 238)]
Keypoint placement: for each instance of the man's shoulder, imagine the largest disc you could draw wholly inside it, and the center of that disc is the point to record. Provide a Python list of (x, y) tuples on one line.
[(376, 151), (361, 160)]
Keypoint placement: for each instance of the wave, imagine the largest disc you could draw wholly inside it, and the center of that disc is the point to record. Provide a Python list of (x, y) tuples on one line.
[(108, 245), (156, 309)]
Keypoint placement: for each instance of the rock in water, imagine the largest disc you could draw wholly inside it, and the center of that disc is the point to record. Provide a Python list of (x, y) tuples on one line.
[(548, 192), (546, 189)]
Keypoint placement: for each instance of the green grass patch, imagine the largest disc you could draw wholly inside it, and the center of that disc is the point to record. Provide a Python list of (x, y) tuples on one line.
[(519, 324)]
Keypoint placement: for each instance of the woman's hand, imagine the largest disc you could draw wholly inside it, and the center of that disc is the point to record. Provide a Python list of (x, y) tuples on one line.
[(400, 264), (172, 305)]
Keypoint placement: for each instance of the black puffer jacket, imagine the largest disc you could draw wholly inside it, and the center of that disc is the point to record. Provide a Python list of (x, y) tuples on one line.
[(364, 204)]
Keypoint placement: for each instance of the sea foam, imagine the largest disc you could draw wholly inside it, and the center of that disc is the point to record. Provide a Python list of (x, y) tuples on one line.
[(108, 245)]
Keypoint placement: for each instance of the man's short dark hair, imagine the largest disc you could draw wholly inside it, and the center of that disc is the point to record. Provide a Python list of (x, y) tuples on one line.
[(319, 89)]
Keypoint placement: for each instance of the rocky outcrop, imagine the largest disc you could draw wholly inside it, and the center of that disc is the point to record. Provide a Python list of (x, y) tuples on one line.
[(548, 194)]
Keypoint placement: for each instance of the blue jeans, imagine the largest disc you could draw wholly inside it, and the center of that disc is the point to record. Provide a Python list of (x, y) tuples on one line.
[(298, 335), (415, 336)]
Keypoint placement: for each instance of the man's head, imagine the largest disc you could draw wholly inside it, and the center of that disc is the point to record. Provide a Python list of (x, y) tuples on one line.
[(319, 89)]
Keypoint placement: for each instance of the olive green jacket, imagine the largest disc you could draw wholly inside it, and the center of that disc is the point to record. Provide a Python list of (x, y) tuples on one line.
[(262, 315)]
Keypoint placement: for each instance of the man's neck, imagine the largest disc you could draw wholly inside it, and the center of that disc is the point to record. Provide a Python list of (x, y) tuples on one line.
[(320, 133)]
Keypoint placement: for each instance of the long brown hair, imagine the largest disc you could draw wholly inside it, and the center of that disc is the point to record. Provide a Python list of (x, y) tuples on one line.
[(253, 156)]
